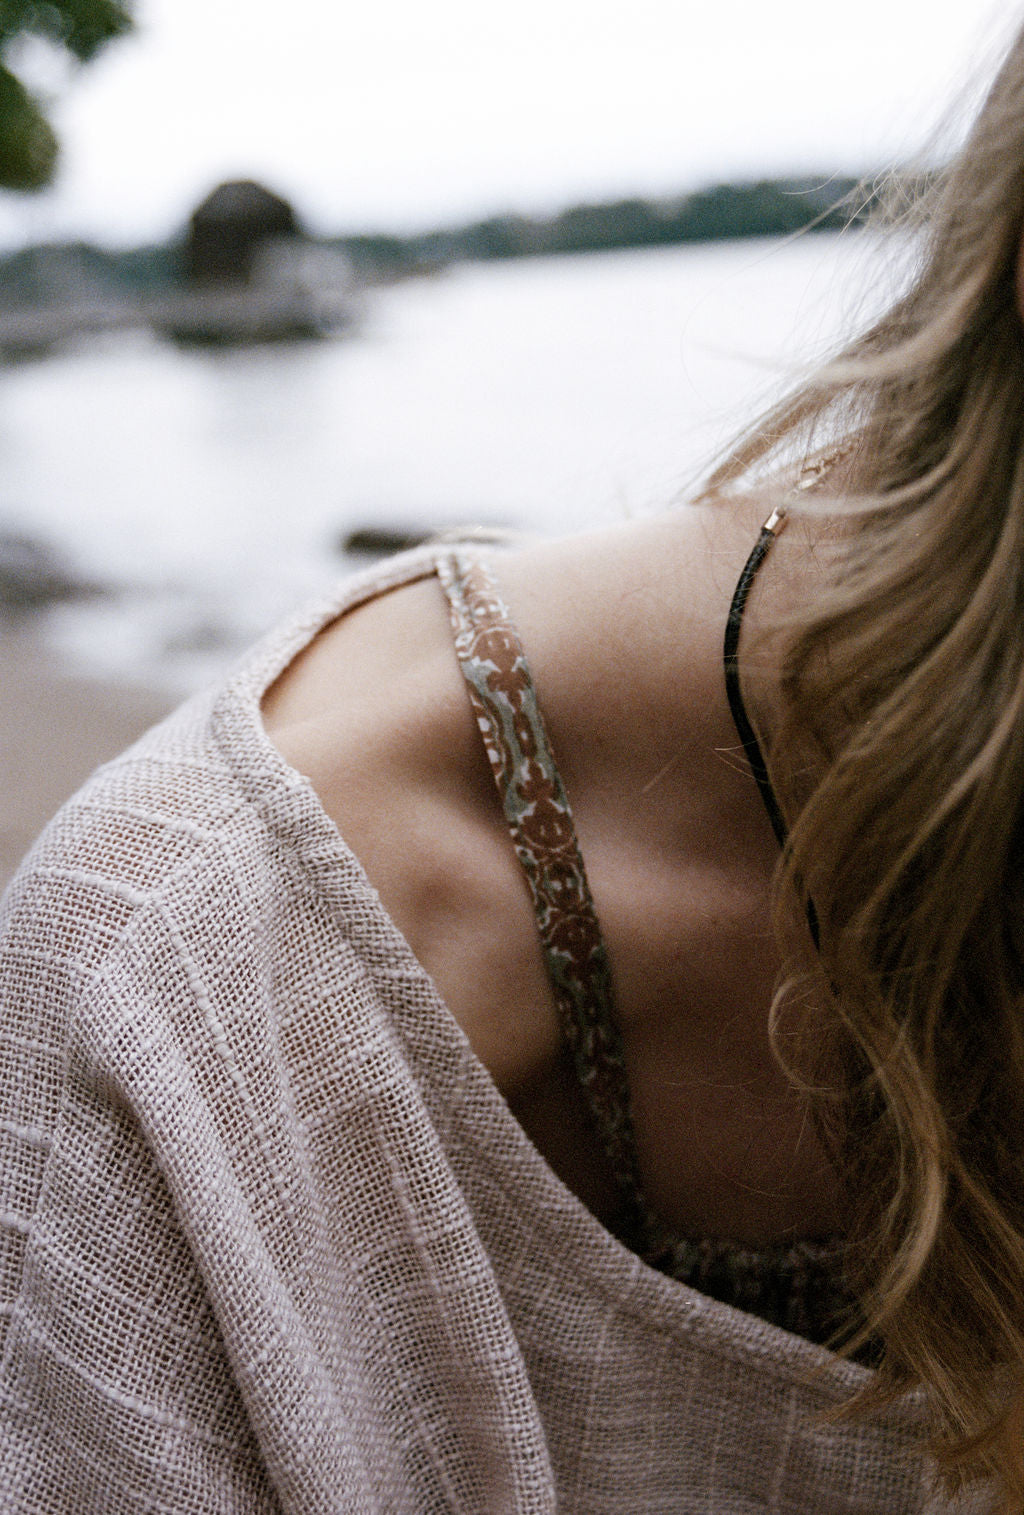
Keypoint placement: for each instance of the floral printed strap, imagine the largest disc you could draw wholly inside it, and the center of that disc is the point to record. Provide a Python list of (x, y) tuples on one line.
[(540, 821)]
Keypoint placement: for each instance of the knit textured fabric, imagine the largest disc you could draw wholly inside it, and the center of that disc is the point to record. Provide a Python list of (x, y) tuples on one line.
[(271, 1240)]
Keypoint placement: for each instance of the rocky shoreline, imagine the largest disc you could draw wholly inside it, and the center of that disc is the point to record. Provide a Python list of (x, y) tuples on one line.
[(34, 575)]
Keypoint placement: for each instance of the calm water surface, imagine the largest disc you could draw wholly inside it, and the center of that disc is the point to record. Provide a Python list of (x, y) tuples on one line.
[(212, 488)]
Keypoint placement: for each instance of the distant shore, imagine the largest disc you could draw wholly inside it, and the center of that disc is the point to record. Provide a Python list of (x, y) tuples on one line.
[(230, 253), (56, 726)]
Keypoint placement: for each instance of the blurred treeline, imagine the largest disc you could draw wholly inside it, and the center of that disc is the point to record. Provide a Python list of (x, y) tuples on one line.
[(763, 208), (767, 207)]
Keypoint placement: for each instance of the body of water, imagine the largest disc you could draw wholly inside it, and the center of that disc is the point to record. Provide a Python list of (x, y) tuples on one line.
[(212, 488)]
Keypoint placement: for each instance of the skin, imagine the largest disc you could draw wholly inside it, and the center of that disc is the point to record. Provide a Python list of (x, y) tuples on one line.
[(623, 631)]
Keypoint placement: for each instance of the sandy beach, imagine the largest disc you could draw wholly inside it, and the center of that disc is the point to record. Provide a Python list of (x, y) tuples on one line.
[(56, 726)]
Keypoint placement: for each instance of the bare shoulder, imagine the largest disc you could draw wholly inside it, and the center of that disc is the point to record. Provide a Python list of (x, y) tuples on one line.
[(376, 715), (623, 631), (612, 612), (367, 660)]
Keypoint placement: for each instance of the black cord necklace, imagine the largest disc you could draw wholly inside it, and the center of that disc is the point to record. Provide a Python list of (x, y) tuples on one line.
[(748, 739), (730, 652)]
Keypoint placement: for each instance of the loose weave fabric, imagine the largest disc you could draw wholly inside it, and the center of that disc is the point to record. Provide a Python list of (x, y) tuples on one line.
[(270, 1239)]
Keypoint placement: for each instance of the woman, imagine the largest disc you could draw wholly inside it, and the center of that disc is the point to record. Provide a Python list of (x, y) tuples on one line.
[(351, 1175)]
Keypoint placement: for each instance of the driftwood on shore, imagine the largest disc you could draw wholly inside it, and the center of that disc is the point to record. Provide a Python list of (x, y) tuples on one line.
[(377, 539)]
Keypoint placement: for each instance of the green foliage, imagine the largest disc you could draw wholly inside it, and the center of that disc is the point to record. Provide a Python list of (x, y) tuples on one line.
[(28, 146)]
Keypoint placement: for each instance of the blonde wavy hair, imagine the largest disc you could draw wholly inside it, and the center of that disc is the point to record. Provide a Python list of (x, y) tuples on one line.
[(899, 765)]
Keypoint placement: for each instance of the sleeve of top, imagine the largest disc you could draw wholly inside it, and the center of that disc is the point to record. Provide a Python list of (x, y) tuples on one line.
[(168, 1305), (116, 1392), (238, 1271)]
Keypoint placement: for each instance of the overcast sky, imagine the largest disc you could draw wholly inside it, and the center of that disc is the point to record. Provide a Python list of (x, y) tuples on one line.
[(400, 113)]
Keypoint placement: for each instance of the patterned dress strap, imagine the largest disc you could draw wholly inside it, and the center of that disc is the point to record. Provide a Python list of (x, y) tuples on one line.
[(540, 821)]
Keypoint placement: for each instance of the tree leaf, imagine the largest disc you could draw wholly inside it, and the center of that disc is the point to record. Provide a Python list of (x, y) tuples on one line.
[(81, 26), (28, 146)]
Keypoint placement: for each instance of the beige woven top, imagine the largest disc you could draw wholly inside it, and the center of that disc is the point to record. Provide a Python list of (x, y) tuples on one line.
[(270, 1239)]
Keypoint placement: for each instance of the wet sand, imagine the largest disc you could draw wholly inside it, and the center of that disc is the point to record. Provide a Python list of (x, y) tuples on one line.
[(55, 728)]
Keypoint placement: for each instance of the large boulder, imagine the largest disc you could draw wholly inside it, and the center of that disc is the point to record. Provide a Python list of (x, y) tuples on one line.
[(229, 230)]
